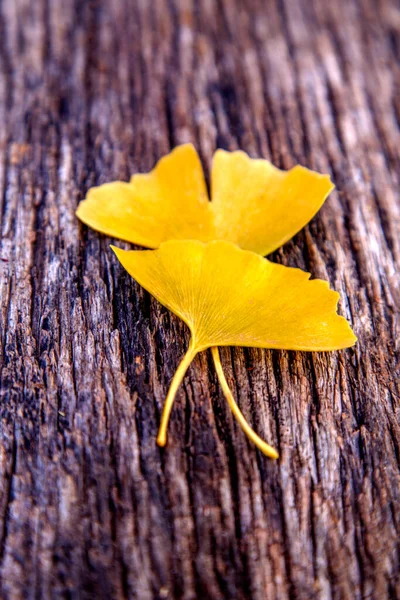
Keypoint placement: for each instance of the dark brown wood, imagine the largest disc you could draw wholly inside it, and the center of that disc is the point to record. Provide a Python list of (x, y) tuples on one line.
[(90, 507)]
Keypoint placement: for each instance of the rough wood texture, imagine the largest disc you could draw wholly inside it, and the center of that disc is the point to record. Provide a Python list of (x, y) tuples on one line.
[(90, 507)]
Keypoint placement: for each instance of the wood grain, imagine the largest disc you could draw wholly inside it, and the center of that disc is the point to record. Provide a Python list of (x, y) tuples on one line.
[(90, 507)]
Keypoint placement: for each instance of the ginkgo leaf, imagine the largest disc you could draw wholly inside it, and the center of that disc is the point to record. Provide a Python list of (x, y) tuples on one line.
[(232, 297), (254, 204)]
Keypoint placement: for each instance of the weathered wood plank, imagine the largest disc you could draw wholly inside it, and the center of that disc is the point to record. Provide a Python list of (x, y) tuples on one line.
[(90, 507)]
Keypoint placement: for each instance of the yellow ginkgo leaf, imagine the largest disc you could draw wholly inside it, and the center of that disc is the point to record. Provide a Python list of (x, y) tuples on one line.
[(254, 204), (231, 297)]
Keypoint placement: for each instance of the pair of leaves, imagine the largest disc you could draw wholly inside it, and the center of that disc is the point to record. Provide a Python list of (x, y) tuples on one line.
[(208, 269)]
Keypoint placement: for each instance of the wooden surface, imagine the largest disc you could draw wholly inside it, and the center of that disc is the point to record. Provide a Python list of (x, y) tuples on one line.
[(90, 507)]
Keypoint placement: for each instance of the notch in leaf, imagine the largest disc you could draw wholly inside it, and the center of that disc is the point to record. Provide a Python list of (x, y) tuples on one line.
[(232, 297)]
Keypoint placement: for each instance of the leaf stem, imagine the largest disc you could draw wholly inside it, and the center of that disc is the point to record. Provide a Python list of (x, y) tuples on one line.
[(261, 445), (175, 383)]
